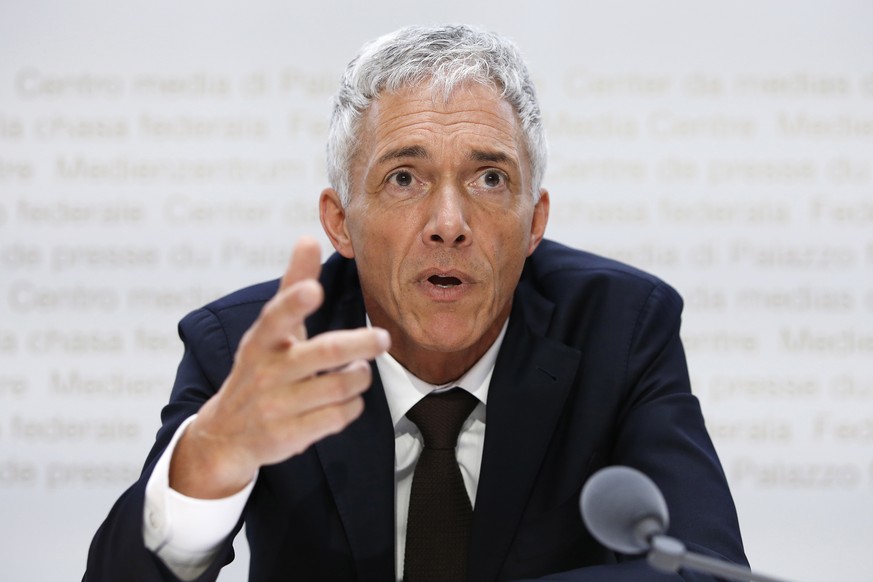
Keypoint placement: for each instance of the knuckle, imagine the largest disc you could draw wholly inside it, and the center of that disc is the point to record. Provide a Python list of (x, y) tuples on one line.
[(349, 381), (334, 389), (342, 385), (329, 349)]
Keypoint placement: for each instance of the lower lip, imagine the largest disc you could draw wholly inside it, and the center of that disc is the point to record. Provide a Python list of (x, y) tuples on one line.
[(443, 294)]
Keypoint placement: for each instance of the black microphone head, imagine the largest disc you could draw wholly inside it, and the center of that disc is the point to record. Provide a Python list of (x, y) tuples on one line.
[(623, 509)]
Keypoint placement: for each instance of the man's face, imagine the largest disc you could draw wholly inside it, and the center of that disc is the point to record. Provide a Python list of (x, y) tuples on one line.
[(440, 221)]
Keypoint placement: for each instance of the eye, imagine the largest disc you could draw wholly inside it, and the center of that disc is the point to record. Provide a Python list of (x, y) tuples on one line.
[(401, 178), (491, 179)]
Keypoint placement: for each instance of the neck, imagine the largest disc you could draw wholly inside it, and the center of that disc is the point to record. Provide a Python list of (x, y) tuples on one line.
[(436, 366)]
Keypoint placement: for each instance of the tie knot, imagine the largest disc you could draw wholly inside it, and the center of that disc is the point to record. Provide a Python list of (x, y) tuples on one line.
[(440, 416)]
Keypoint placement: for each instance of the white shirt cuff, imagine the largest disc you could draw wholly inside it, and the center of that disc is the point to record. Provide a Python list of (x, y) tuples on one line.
[(184, 532)]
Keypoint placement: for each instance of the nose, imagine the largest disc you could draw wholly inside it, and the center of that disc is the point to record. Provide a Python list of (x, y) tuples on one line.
[(447, 222)]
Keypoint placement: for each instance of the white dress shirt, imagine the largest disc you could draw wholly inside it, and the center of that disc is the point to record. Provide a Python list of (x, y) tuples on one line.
[(186, 532)]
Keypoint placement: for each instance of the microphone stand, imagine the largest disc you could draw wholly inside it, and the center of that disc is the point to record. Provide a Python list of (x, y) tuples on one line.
[(669, 554), (625, 511)]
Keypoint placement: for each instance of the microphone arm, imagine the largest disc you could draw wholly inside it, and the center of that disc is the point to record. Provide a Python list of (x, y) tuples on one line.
[(626, 512), (669, 554)]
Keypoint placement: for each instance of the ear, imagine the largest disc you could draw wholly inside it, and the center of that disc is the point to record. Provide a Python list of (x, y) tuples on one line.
[(539, 221), (333, 221)]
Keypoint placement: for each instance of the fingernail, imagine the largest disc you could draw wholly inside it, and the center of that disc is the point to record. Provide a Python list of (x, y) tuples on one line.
[(384, 338)]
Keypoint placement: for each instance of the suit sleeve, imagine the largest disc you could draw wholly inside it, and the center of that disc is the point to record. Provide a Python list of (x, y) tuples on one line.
[(660, 430), (662, 433), (118, 551)]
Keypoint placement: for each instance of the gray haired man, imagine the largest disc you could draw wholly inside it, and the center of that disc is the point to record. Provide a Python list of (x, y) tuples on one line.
[(296, 408)]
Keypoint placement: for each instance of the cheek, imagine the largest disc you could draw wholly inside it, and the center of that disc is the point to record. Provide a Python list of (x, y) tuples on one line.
[(366, 234), (511, 252), (377, 261)]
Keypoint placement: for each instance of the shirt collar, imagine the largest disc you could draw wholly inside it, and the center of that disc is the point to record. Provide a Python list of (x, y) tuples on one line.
[(403, 390)]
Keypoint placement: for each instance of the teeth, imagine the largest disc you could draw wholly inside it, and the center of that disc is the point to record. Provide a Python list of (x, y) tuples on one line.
[(444, 281)]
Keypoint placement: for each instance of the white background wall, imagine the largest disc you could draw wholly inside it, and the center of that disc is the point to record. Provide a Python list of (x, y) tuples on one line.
[(155, 155)]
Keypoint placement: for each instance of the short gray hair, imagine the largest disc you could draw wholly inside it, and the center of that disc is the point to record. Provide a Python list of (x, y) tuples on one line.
[(446, 57)]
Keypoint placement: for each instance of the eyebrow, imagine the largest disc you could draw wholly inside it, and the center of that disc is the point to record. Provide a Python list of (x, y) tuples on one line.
[(404, 152), (420, 152), (495, 157)]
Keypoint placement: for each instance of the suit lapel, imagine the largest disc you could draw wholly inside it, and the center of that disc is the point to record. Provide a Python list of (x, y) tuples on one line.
[(359, 466), (531, 380)]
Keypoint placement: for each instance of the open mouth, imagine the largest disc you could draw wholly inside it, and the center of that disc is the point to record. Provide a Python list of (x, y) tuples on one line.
[(444, 282)]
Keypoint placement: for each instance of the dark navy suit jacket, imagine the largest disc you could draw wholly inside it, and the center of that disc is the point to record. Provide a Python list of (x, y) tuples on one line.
[(591, 373)]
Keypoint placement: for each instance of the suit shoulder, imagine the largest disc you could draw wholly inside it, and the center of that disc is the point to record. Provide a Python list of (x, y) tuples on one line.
[(581, 293), (230, 315), (258, 293), (240, 308), (557, 267)]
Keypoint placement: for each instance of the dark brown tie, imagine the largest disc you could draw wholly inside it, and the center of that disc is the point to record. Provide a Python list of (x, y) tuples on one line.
[(440, 513)]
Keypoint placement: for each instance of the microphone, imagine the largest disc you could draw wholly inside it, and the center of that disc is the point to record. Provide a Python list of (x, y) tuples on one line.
[(625, 511)]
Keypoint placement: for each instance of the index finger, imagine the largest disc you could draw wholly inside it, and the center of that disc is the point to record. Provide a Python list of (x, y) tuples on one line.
[(282, 319), (305, 262)]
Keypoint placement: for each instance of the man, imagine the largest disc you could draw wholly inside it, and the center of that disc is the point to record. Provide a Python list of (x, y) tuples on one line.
[(436, 157)]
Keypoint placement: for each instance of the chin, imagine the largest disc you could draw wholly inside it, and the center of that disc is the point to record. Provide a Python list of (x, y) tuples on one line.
[(440, 337)]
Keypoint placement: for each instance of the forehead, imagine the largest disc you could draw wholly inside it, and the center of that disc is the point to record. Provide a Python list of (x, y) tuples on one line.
[(470, 111)]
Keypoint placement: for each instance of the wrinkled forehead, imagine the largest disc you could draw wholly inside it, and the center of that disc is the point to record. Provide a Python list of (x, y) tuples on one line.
[(468, 102)]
